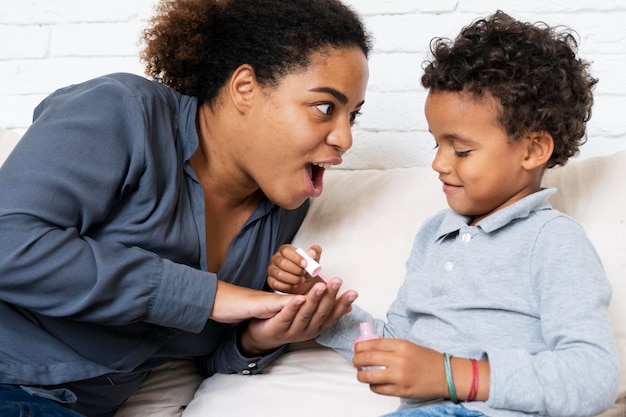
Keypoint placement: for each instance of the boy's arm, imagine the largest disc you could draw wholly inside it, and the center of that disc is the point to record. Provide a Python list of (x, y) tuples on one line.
[(579, 373)]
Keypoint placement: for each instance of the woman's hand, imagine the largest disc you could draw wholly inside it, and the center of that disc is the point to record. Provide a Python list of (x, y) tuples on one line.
[(286, 272), (298, 321), (234, 303)]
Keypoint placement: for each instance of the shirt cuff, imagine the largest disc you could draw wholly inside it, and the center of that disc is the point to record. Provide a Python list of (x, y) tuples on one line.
[(245, 365), (184, 298)]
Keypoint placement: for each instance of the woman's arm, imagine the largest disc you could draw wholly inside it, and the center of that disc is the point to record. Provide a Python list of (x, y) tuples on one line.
[(80, 213)]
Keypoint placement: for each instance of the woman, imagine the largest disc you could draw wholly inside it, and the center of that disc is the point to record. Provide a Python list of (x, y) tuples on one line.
[(138, 218)]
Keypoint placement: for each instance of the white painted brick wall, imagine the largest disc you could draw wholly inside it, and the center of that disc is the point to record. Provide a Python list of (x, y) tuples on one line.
[(47, 44)]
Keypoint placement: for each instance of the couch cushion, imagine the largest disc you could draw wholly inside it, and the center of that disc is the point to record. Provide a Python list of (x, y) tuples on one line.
[(306, 383)]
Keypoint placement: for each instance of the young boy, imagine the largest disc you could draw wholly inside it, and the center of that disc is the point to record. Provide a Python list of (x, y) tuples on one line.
[(503, 311)]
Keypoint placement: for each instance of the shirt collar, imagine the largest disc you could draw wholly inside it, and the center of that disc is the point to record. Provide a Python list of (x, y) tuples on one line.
[(453, 222), (187, 125)]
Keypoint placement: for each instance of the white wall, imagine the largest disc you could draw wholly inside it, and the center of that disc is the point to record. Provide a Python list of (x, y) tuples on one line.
[(47, 44)]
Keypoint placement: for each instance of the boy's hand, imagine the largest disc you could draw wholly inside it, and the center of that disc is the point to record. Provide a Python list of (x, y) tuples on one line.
[(286, 272), (400, 368), (405, 369)]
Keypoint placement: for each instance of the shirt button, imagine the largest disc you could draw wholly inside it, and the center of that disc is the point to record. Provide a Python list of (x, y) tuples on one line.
[(466, 237), (448, 266), (248, 371)]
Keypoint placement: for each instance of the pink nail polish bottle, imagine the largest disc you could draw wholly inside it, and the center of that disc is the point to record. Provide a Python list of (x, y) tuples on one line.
[(367, 333)]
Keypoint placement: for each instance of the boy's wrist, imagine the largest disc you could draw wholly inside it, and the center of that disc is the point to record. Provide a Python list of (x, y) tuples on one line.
[(465, 379)]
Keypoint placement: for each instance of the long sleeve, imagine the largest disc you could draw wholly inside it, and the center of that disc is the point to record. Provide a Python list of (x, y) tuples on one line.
[(341, 335), (95, 220), (576, 373), (227, 358)]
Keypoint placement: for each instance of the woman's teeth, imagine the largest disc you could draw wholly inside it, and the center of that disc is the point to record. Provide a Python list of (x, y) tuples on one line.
[(322, 165)]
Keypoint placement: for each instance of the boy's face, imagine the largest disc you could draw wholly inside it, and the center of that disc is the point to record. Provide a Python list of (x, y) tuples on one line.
[(480, 168)]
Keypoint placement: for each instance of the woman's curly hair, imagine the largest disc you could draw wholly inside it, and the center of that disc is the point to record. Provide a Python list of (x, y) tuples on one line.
[(531, 69), (194, 46)]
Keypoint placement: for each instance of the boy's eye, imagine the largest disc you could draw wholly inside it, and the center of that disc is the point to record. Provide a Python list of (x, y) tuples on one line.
[(458, 154), (326, 108)]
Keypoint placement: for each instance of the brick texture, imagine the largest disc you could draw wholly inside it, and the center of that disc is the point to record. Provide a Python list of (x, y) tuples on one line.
[(47, 44)]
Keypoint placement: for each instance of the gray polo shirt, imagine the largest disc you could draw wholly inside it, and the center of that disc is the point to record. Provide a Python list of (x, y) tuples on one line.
[(525, 289)]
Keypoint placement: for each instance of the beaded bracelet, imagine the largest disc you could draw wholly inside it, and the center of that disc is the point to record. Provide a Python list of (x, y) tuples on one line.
[(451, 389)]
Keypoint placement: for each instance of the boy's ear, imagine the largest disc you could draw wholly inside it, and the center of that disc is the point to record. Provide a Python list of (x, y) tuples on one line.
[(539, 150), (241, 87)]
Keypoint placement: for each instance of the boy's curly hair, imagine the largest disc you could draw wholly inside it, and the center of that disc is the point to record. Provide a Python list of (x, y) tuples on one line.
[(531, 69), (193, 46)]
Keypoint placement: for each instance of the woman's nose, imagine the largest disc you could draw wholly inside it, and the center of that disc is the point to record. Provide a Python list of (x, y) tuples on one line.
[(341, 136)]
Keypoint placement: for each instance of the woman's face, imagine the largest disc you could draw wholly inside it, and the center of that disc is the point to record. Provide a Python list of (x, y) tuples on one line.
[(303, 125)]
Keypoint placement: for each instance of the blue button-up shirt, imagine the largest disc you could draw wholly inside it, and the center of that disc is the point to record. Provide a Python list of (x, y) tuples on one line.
[(102, 242)]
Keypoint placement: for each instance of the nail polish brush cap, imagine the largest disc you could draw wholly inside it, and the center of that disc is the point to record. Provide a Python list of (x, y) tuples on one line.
[(312, 267)]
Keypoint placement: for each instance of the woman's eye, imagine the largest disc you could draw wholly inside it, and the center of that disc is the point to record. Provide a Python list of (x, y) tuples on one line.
[(461, 154), (353, 117), (325, 108)]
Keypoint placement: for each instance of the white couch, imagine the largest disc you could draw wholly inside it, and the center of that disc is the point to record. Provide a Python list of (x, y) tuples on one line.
[(366, 221)]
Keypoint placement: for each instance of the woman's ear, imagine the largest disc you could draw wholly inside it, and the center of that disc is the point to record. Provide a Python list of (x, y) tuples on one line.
[(539, 150), (242, 86)]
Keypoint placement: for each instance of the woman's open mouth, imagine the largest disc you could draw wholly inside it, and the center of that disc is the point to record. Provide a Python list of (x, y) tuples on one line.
[(316, 178)]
